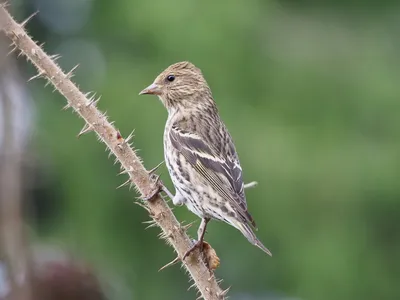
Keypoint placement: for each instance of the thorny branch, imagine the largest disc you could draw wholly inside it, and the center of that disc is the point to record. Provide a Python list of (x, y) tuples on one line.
[(85, 106)]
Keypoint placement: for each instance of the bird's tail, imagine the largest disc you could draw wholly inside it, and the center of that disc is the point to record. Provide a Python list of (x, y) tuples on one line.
[(246, 230)]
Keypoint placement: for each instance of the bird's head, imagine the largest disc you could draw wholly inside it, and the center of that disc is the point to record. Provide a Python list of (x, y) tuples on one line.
[(180, 86)]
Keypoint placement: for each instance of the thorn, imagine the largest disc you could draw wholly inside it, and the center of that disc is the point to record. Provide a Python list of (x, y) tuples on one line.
[(87, 95), (155, 168), (193, 285), (104, 115), (222, 294), (12, 50), (152, 223), (55, 57), (165, 236), (70, 74), (5, 4), (125, 183), (49, 81), (28, 19), (66, 106), (126, 171), (41, 45), (187, 226), (40, 74), (250, 185), (19, 54), (130, 136), (86, 128), (144, 206), (151, 226), (93, 101), (199, 297), (171, 263), (91, 98), (148, 222)]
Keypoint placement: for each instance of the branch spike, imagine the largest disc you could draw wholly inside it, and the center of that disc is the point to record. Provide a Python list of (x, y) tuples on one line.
[(222, 294), (151, 171), (152, 223), (125, 183), (70, 74), (93, 101), (164, 236), (5, 4), (193, 285), (55, 57), (125, 171), (12, 50), (23, 24), (130, 136), (87, 95), (38, 75), (187, 226), (144, 206), (68, 105), (48, 81), (86, 128), (171, 263)]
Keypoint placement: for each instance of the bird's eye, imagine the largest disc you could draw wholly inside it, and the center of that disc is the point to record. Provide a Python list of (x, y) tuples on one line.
[(170, 78)]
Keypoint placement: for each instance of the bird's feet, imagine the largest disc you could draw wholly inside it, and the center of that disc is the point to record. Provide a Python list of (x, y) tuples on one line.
[(209, 255), (198, 244), (157, 187)]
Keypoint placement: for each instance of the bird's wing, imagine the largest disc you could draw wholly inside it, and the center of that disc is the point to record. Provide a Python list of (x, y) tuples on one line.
[(222, 172)]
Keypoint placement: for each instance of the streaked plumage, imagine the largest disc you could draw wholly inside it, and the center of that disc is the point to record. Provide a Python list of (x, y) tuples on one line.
[(199, 151)]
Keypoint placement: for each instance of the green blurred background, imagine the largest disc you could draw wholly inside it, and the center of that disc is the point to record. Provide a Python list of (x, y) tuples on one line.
[(310, 93)]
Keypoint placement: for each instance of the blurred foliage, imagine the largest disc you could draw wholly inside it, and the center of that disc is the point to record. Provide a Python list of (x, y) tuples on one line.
[(310, 93)]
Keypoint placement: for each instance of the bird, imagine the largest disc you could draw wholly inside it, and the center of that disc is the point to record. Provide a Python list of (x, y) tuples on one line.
[(200, 154)]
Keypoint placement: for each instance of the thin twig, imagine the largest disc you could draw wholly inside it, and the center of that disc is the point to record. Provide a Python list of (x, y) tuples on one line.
[(129, 160), (13, 242)]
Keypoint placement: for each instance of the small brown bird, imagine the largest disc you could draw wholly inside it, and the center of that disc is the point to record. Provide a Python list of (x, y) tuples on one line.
[(200, 154)]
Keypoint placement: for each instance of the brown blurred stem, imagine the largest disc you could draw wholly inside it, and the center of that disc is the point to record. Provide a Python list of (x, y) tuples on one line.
[(130, 162), (12, 234)]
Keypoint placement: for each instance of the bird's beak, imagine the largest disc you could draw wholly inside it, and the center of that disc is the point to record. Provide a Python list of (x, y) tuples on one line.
[(152, 89)]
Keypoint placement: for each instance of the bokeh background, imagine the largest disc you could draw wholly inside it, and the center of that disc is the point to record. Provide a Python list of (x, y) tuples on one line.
[(310, 92)]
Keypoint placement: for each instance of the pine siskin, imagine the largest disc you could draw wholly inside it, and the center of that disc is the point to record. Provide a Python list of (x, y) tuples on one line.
[(200, 154)]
